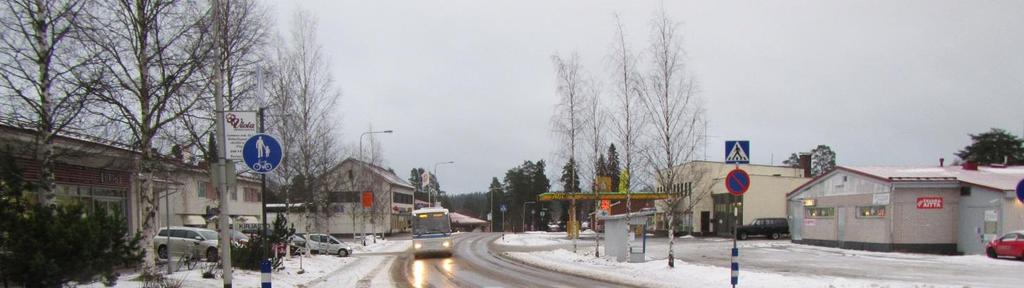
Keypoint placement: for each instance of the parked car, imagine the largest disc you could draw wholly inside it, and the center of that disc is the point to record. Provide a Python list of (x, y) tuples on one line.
[(322, 243), (1010, 244), (239, 238), (773, 228), (180, 241)]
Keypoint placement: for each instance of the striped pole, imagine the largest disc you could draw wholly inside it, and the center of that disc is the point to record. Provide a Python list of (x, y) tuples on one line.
[(735, 265), (265, 273)]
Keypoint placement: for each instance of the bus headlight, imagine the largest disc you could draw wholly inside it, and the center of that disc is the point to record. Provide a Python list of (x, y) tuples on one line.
[(417, 245), (446, 244)]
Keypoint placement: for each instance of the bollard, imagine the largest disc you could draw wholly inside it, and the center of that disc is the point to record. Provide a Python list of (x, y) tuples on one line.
[(265, 269), (735, 267)]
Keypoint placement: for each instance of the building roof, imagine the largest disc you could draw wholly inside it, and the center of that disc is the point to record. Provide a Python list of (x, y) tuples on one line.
[(464, 220), (996, 178), (383, 173)]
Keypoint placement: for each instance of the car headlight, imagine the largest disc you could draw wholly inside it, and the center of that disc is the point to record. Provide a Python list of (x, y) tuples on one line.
[(417, 245), (446, 244)]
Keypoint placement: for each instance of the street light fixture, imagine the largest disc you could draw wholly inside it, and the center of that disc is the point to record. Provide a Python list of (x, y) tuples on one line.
[(361, 159), (431, 198)]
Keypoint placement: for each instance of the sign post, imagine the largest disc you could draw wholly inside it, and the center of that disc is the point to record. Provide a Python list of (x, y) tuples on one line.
[(737, 182)]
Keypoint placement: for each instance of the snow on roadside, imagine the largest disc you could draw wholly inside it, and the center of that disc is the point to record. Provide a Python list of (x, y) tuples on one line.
[(657, 274), (534, 239), (317, 269), (315, 266)]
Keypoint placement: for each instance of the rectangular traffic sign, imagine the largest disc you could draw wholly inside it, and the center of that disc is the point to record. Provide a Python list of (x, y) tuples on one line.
[(239, 126), (737, 152)]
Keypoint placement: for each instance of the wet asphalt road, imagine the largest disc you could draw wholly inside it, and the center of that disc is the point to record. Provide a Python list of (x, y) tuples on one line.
[(474, 264)]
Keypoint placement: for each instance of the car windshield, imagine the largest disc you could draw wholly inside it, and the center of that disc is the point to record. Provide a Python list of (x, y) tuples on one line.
[(209, 235), (431, 223)]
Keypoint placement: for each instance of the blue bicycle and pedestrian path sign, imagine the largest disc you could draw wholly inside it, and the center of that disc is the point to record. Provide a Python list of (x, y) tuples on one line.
[(262, 153)]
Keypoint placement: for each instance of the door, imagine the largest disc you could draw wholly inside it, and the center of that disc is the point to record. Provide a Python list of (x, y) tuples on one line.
[(178, 242), (705, 222), (840, 225), (975, 230)]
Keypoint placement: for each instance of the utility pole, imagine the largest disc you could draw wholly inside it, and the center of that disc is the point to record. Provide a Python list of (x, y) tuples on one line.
[(218, 95), (434, 199), (263, 198)]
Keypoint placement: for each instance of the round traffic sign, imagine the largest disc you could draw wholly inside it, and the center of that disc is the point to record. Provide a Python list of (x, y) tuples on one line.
[(262, 153), (1020, 190), (737, 182)]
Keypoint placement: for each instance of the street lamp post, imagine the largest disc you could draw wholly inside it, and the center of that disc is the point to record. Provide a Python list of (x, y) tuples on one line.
[(434, 197), (363, 226), (524, 213)]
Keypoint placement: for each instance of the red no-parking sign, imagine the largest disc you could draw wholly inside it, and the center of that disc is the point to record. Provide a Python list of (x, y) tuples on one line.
[(737, 182)]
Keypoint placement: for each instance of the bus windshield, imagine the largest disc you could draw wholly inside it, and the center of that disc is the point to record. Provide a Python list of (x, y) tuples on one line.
[(431, 223)]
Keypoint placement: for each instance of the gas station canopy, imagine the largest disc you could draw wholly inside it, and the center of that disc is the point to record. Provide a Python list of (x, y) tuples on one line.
[(561, 196)]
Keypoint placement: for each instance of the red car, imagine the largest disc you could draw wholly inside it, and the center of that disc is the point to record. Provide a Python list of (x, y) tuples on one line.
[(1010, 244)]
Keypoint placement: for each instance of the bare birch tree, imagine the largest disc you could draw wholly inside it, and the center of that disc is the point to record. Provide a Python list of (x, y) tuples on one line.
[(595, 119), (568, 119), (674, 110), (629, 116), (303, 93), (156, 50), (244, 34), (47, 73)]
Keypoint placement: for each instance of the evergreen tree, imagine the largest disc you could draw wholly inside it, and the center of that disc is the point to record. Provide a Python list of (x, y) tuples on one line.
[(497, 194), (570, 177), (994, 147), (822, 160), (793, 161), (612, 166)]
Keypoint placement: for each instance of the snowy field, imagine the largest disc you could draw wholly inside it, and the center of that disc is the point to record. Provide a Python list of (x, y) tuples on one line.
[(318, 270), (703, 262)]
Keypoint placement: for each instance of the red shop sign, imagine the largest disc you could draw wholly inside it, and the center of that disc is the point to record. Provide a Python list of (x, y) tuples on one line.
[(929, 202)]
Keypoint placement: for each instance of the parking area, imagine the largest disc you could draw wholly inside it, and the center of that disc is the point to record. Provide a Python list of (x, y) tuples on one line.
[(782, 256)]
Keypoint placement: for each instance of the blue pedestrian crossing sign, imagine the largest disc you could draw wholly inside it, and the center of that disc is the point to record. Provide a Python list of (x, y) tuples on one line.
[(1020, 192), (737, 152), (262, 153), (503, 208)]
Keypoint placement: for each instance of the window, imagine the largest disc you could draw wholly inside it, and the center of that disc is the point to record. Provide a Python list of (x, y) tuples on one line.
[(234, 193), (877, 211), (162, 233), (251, 195), (201, 187), (178, 233), (1009, 237), (192, 234), (825, 212)]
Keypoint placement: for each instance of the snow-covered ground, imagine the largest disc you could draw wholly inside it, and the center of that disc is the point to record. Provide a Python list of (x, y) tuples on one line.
[(704, 262), (533, 239), (317, 270)]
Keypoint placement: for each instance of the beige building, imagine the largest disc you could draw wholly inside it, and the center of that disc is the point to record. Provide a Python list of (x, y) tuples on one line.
[(389, 212), (193, 200), (702, 182), (942, 210)]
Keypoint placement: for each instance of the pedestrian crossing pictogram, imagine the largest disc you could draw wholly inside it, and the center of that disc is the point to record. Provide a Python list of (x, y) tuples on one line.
[(737, 152)]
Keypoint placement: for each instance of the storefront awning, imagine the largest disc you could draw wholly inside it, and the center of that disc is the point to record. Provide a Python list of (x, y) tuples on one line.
[(248, 219), (193, 220)]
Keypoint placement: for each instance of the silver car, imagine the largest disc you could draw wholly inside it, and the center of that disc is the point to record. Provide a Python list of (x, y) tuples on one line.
[(181, 241), (323, 244)]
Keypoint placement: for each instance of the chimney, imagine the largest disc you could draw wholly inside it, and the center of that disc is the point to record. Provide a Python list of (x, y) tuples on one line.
[(942, 162), (805, 162), (970, 165)]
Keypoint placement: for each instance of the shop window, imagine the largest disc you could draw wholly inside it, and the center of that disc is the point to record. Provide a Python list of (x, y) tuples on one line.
[(877, 211), (821, 212)]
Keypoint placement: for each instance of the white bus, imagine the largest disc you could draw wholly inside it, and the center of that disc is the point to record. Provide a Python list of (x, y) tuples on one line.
[(431, 232)]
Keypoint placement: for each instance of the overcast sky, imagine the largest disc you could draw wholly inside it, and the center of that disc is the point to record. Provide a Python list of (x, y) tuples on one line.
[(881, 82)]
